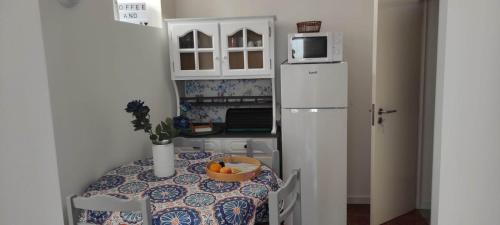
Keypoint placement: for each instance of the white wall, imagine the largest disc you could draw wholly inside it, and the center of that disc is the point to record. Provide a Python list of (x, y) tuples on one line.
[(28, 170), (95, 66), (467, 136), (168, 8), (354, 18)]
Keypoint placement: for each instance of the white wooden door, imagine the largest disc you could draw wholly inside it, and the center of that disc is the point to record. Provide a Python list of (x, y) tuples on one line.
[(396, 84), (245, 48), (195, 50)]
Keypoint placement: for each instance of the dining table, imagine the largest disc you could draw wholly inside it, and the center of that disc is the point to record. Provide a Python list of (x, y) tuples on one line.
[(189, 197)]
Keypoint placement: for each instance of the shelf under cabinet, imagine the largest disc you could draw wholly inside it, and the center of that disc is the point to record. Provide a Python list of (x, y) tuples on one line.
[(229, 100)]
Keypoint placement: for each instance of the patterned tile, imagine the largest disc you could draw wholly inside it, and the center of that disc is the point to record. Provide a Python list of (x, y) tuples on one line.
[(217, 114)]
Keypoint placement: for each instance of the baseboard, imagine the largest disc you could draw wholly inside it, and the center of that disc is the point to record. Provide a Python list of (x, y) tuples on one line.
[(358, 199)]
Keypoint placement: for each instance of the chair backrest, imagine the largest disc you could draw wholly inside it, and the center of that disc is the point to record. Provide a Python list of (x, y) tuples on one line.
[(289, 197), (188, 144), (107, 203), (253, 145)]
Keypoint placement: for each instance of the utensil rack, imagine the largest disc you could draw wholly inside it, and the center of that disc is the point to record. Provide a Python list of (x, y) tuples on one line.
[(228, 100)]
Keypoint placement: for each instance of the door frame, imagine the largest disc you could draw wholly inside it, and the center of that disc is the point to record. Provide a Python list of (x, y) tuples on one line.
[(428, 74), (421, 110)]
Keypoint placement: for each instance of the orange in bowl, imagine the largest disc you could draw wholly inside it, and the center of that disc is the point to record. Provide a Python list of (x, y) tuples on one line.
[(226, 170), (215, 167)]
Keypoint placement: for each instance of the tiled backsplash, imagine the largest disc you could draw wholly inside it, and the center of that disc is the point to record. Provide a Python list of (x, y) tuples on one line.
[(256, 87), (217, 114)]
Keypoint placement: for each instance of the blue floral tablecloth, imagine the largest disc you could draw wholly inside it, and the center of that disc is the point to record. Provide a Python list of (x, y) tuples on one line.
[(189, 197)]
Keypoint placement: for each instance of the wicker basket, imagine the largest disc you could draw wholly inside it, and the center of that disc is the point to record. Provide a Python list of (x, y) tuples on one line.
[(309, 26)]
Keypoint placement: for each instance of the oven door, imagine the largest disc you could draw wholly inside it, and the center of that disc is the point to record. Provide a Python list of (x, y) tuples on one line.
[(310, 48)]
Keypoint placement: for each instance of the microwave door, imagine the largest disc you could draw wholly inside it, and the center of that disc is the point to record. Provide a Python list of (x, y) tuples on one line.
[(315, 47), (309, 48), (297, 48)]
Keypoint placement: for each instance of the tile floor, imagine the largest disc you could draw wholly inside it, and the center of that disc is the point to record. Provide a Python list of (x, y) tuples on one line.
[(360, 215)]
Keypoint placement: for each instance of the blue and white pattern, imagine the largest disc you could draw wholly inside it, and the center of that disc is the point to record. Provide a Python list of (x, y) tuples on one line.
[(190, 195), (205, 114), (234, 211), (165, 193), (131, 217), (199, 200), (267, 177), (262, 214), (219, 156), (107, 182), (181, 163), (194, 155), (198, 168), (128, 170), (253, 87), (144, 162), (177, 216), (255, 190), (187, 179), (149, 176), (97, 217), (133, 187), (215, 114), (214, 186)]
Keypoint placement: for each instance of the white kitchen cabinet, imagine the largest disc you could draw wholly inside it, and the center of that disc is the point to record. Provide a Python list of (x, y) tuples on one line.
[(187, 144), (213, 145), (231, 145), (234, 146), (238, 146), (195, 49), (245, 47), (221, 48)]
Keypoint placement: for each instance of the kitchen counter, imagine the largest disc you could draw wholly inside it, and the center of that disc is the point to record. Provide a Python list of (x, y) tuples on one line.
[(233, 135), (226, 134)]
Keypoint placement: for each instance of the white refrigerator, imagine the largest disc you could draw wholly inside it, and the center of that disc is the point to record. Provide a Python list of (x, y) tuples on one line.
[(314, 137)]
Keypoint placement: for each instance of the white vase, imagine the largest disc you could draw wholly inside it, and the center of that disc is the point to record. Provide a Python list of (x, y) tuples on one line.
[(163, 160)]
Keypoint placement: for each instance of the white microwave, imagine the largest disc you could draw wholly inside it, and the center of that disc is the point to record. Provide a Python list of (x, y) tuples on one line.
[(315, 47)]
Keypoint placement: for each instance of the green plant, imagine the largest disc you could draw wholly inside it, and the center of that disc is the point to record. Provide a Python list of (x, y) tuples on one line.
[(164, 132)]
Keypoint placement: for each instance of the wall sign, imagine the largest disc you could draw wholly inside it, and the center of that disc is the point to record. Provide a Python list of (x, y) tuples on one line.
[(133, 13)]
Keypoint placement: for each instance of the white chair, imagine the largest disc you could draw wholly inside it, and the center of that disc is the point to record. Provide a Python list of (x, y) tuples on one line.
[(255, 145), (286, 201), (187, 144), (75, 204)]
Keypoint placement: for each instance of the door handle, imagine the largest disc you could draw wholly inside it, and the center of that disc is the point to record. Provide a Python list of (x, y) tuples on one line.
[(382, 111)]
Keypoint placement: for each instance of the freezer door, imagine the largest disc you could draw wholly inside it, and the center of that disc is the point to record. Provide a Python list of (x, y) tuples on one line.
[(314, 85), (315, 140)]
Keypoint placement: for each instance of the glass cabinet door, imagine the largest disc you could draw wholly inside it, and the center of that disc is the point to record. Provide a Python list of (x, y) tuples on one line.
[(245, 48), (196, 51)]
